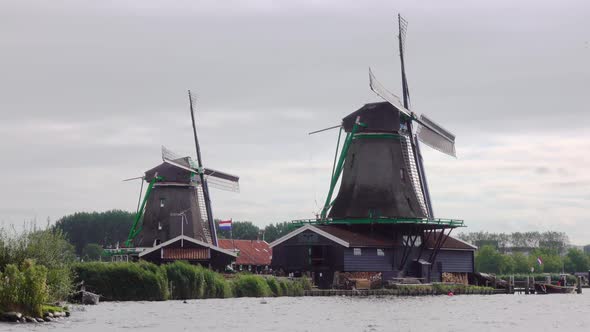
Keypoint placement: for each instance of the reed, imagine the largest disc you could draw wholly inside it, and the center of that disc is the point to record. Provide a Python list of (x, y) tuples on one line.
[(24, 288)]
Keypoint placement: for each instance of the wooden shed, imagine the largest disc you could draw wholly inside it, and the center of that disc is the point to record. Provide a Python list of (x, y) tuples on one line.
[(188, 249)]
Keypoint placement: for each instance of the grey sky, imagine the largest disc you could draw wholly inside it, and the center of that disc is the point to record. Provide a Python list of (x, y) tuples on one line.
[(89, 90)]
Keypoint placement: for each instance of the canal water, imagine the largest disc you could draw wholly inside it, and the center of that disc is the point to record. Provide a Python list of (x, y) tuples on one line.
[(426, 313)]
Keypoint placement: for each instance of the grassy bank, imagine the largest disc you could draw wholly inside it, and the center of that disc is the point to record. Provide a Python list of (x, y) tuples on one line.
[(178, 281)]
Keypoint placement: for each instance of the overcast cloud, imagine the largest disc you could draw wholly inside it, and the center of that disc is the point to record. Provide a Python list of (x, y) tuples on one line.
[(89, 90)]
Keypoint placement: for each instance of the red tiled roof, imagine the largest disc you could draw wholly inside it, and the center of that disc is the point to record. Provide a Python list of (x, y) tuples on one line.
[(250, 252)]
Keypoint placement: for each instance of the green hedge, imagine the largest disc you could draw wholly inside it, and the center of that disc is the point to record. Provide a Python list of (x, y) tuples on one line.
[(178, 280)]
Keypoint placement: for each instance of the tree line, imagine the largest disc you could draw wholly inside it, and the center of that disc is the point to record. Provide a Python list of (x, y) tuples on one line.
[(89, 232), (520, 252), (519, 241), (541, 260)]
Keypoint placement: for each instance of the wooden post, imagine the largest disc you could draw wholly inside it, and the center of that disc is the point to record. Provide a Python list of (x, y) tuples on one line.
[(527, 285), (579, 285)]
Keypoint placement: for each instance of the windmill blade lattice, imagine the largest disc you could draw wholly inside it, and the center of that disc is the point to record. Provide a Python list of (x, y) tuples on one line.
[(222, 180), (436, 137), (382, 92)]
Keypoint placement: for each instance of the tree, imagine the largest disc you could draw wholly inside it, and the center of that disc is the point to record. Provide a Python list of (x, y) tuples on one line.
[(521, 263), (488, 260), (275, 231), (92, 252), (506, 264), (103, 228), (552, 264), (577, 261), (241, 230)]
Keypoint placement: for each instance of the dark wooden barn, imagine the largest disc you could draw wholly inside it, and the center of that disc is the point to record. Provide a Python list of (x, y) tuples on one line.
[(323, 250)]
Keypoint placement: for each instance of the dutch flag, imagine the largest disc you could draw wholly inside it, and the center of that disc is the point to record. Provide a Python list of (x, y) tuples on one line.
[(225, 224), (539, 260)]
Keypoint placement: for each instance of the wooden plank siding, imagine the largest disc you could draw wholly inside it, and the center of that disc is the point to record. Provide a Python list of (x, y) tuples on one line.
[(368, 261), (455, 261)]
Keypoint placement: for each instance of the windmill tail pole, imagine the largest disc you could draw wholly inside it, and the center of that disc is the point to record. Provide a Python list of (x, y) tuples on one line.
[(211, 222), (401, 40), (402, 26), (197, 147)]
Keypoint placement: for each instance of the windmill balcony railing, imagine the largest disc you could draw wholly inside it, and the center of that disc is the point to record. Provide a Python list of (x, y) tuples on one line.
[(445, 223)]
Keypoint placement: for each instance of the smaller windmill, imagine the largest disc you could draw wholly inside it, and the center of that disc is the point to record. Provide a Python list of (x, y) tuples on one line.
[(178, 187)]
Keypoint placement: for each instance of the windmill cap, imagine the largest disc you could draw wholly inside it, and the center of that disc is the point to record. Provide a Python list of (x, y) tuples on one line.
[(377, 117)]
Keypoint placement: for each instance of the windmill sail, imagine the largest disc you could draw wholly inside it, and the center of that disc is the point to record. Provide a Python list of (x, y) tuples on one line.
[(436, 137), (382, 92), (222, 180), (428, 132), (216, 179), (413, 174)]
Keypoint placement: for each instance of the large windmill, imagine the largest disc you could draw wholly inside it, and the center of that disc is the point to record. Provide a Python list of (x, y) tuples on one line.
[(383, 189), (177, 200), (380, 166)]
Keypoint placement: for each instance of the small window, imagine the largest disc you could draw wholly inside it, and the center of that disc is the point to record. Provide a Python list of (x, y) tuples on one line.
[(357, 251), (380, 252)]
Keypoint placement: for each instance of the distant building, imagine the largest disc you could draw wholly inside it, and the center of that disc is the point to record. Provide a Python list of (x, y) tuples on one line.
[(252, 255)]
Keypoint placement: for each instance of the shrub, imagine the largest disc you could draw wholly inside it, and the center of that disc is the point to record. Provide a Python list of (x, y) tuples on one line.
[(296, 289), (209, 277), (223, 288), (185, 281), (305, 283), (284, 285), (24, 288), (274, 286), (247, 285), (48, 248), (123, 281)]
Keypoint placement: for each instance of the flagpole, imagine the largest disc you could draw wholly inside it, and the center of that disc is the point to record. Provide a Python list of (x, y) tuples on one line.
[(231, 233)]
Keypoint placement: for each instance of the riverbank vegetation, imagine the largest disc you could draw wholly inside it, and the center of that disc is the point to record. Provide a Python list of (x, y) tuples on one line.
[(178, 281), (440, 289), (34, 269)]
